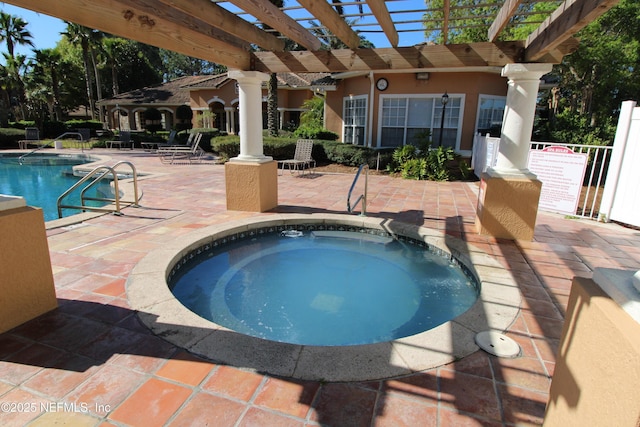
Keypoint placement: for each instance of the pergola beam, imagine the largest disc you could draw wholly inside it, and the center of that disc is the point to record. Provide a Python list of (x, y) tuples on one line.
[(380, 11), (568, 19), (505, 14), (128, 20), (269, 14), (334, 22), (226, 21), (423, 57)]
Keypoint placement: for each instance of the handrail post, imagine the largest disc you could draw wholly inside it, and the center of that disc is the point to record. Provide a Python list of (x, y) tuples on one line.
[(362, 197)]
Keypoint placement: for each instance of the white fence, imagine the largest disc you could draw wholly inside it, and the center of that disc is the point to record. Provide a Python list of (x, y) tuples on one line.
[(621, 198), (485, 154)]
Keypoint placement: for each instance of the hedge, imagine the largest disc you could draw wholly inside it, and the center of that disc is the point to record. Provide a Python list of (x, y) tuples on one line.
[(323, 151)]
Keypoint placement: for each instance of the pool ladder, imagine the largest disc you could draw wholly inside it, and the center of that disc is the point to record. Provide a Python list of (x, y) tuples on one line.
[(102, 172), (362, 197)]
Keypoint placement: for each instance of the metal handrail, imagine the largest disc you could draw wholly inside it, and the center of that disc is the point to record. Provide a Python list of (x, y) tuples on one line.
[(49, 143), (362, 197), (103, 171)]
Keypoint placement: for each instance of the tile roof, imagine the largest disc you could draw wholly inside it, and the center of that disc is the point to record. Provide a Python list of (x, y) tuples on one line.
[(176, 92)]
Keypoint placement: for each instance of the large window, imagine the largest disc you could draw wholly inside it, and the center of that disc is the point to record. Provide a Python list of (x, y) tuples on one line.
[(355, 119), (404, 120), (490, 114)]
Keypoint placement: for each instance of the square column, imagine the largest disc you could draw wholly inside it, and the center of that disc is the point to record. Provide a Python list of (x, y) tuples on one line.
[(251, 178), (26, 278), (508, 205)]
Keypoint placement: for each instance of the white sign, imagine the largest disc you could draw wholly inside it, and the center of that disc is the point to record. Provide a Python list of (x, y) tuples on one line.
[(561, 172)]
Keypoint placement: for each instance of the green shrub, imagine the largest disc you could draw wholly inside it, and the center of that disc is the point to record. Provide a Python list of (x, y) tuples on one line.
[(152, 119), (315, 132), (9, 137), (414, 168), (184, 117), (323, 151), (432, 164)]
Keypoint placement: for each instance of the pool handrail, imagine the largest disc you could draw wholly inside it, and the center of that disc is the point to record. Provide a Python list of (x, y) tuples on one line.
[(362, 197), (103, 170), (51, 142)]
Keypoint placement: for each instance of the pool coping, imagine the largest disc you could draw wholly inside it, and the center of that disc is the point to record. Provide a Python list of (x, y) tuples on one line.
[(496, 309)]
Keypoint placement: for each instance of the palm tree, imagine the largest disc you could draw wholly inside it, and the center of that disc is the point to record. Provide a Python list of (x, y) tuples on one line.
[(272, 92), (14, 69), (87, 39), (45, 70), (13, 32)]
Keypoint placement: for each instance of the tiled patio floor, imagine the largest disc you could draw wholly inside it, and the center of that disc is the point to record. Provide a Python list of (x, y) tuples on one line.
[(91, 362)]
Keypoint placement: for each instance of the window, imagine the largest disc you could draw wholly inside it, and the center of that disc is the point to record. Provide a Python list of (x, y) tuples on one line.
[(403, 120), (355, 119), (490, 114)]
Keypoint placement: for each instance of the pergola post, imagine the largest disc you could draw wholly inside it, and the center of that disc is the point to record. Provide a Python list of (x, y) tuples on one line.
[(251, 178), (509, 192)]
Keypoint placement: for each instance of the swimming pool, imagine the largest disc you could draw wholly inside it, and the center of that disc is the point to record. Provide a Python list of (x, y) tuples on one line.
[(317, 284), (42, 177)]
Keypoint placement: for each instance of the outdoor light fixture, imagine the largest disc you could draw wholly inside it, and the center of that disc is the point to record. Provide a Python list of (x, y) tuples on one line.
[(444, 100)]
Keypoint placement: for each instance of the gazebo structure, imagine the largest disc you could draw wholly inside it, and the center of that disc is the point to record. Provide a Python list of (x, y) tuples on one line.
[(228, 32)]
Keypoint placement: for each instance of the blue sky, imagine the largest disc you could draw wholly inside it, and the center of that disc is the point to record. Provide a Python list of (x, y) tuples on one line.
[(46, 30)]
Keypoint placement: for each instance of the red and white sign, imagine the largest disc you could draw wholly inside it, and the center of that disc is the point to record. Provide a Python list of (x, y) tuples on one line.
[(561, 172)]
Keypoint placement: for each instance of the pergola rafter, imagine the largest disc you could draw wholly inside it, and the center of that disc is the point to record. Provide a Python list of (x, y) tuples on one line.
[(225, 31)]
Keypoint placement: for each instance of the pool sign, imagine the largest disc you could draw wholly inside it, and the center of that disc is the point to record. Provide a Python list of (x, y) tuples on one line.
[(561, 172)]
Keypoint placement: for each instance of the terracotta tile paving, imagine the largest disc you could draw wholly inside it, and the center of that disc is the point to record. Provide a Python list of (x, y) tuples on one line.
[(93, 352)]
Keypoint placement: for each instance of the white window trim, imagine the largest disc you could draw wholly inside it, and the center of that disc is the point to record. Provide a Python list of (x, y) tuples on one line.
[(461, 96), (366, 115), (480, 98)]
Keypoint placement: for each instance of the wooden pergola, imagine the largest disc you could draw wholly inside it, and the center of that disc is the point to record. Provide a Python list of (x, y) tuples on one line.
[(249, 34)]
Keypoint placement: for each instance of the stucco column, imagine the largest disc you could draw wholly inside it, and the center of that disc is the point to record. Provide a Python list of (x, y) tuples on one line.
[(509, 193), (251, 179), (250, 104), (517, 123), (228, 111)]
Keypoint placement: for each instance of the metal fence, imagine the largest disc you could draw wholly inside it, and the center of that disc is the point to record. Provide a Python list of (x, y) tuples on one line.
[(594, 177)]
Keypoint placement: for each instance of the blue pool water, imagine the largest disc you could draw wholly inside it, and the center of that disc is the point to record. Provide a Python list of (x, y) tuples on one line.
[(41, 178), (325, 290)]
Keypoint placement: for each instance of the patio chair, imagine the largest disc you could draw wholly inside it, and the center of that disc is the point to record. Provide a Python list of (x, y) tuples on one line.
[(168, 155), (123, 141), (152, 145), (31, 136), (302, 159)]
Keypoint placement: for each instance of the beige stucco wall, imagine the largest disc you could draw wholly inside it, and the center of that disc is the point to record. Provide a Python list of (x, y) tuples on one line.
[(26, 278), (596, 381), (469, 84)]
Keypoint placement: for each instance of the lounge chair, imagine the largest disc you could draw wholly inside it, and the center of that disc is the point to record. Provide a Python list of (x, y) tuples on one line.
[(123, 141), (152, 145), (31, 136), (302, 159), (169, 155)]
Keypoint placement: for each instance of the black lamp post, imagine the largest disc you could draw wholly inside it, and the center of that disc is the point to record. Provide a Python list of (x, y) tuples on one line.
[(444, 100)]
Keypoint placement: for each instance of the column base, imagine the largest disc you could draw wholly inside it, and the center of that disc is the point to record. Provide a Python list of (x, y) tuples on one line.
[(508, 204), (251, 186), (26, 277)]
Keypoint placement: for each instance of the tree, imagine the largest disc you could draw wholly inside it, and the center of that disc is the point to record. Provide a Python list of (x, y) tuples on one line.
[(604, 71), (178, 65), (13, 32), (45, 72), (87, 39)]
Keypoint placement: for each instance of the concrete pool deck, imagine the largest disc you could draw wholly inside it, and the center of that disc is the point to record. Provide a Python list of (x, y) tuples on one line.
[(94, 355)]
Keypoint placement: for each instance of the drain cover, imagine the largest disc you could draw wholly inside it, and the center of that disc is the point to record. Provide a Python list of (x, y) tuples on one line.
[(497, 344)]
